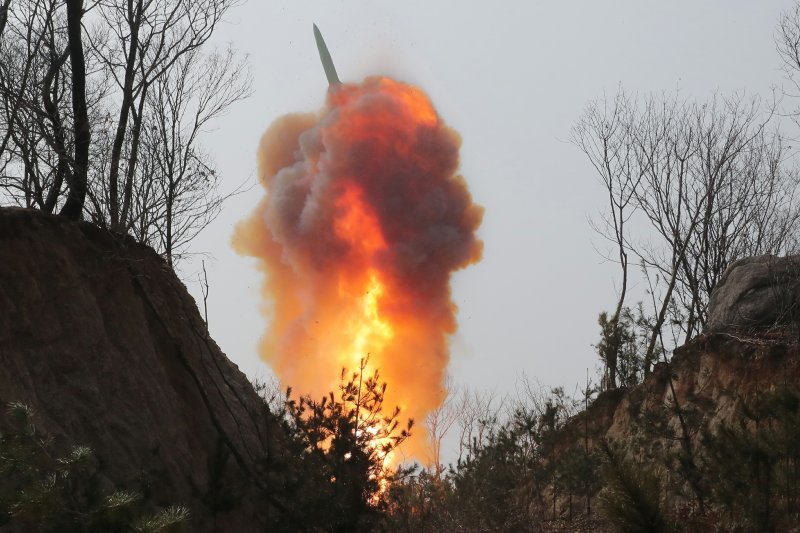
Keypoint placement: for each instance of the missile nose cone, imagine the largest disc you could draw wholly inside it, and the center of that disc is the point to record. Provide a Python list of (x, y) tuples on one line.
[(325, 57)]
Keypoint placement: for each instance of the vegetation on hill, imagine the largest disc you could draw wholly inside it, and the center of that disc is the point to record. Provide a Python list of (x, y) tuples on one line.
[(335, 474), (41, 490)]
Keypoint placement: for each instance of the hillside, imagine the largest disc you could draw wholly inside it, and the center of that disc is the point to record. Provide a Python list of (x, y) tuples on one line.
[(718, 421), (100, 338)]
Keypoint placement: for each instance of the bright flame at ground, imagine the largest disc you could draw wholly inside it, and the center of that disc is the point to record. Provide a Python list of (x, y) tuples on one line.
[(364, 220), (357, 226), (370, 332)]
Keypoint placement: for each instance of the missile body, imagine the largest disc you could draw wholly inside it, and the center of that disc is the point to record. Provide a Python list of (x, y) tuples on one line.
[(325, 56)]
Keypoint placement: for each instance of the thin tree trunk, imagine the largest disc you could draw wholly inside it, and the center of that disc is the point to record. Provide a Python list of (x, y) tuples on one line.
[(4, 15), (33, 190), (73, 207), (17, 97), (613, 356), (662, 314), (137, 129), (692, 474), (648, 358), (686, 443), (586, 443), (122, 124), (168, 243), (59, 144)]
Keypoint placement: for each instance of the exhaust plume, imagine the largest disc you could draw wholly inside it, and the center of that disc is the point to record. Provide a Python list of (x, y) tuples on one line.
[(364, 220)]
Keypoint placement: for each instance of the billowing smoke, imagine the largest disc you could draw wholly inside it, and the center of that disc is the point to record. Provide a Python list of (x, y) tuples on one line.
[(363, 222)]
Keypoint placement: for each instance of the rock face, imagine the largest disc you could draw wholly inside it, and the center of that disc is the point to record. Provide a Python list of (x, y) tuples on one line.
[(102, 340), (757, 291), (711, 375), (710, 381)]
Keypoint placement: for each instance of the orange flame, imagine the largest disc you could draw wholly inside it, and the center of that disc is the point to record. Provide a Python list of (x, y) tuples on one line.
[(364, 221)]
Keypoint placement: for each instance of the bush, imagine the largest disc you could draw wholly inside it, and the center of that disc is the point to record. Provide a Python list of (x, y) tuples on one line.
[(45, 492), (630, 499), (336, 474)]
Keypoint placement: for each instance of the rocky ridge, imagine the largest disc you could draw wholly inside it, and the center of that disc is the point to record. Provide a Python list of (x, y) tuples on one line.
[(102, 340)]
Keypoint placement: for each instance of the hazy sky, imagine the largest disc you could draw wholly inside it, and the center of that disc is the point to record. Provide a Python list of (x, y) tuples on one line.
[(512, 78)]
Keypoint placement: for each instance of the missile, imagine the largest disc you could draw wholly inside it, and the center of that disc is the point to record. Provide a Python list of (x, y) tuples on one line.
[(325, 57)]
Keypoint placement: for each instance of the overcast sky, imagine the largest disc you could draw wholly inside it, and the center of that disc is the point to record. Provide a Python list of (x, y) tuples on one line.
[(512, 78)]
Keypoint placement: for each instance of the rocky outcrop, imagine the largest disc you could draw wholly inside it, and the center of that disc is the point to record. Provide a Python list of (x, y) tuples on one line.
[(102, 340), (712, 376), (662, 424), (759, 291)]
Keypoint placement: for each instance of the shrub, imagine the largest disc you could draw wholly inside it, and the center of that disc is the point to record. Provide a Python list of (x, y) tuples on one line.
[(43, 491)]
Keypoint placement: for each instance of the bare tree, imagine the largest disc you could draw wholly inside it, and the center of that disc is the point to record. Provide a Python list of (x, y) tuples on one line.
[(478, 415), (182, 102), (143, 41), (98, 122), (439, 422), (599, 134), (35, 145), (709, 183), (787, 41), (45, 135)]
